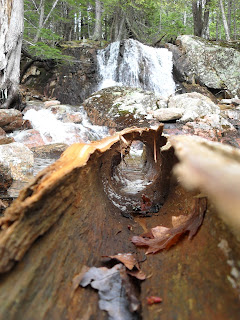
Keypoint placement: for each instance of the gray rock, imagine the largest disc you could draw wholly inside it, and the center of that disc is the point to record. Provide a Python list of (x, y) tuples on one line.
[(18, 159), (209, 64), (49, 151), (194, 104), (120, 107), (167, 114)]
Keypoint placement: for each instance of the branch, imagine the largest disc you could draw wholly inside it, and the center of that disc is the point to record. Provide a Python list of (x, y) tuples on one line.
[(54, 5)]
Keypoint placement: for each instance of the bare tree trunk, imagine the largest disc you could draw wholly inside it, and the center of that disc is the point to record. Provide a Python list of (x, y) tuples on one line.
[(40, 23), (234, 20), (197, 17), (205, 24), (120, 30), (11, 29), (229, 15), (201, 17), (226, 29), (218, 36), (97, 35)]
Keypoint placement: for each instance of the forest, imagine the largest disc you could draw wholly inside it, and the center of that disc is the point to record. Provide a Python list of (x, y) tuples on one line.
[(47, 23)]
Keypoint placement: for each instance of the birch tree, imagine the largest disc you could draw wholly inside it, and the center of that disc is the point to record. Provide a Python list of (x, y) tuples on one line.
[(11, 30), (225, 24)]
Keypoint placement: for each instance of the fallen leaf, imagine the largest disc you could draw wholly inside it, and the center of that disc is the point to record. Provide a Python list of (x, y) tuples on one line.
[(127, 259), (78, 278), (146, 203), (153, 299), (164, 238), (115, 290), (138, 274), (177, 221)]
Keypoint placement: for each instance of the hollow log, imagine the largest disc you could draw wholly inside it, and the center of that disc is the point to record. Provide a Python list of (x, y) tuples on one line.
[(68, 218)]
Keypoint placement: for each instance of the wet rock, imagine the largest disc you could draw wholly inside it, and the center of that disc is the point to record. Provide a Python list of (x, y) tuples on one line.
[(11, 119), (168, 114), (6, 140), (66, 113), (50, 150), (119, 107), (9, 115), (19, 124), (51, 103), (194, 105), (30, 138), (209, 64), (2, 132), (18, 159), (36, 105)]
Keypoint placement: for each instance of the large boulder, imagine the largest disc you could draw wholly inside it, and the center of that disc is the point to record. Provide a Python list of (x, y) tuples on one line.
[(194, 105), (119, 107), (198, 60)]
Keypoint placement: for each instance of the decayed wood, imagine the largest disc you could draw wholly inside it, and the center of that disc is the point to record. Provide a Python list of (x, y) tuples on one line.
[(213, 168), (64, 220), (41, 204)]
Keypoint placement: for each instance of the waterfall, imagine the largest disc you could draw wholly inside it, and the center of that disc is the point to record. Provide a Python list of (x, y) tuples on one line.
[(131, 63)]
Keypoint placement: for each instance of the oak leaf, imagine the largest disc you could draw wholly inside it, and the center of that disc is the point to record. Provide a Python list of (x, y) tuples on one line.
[(163, 238)]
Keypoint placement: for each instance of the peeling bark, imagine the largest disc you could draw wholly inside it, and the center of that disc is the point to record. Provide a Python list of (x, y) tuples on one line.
[(65, 219)]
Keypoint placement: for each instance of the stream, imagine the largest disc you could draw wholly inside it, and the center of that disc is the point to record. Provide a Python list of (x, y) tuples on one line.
[(135, 65)]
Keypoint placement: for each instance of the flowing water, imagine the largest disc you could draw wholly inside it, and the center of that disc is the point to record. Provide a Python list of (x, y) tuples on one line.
[(136, 65), (125, 64)]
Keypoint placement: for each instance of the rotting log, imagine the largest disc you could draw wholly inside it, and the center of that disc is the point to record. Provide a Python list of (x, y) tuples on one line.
[(65, 219)]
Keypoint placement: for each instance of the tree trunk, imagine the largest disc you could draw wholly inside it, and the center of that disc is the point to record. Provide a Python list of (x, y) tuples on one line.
[(229, 15), (201, 17), (234, 20), (205, 25), (66, 219), (97, 35), (197, 17), (225, 24), (40, 23), (11, 29)]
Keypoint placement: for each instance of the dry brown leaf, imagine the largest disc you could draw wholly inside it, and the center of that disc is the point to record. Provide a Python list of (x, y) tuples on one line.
[(77, 279), (127, 259), (159, 231), (138, 274), (177, 221), (164, 238)]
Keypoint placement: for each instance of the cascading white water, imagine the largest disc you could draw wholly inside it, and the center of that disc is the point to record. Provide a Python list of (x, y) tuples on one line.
[(136, 65), (53, 130)]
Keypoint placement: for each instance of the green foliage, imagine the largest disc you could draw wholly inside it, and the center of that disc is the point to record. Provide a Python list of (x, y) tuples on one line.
[(44, 51), (149, 19)]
